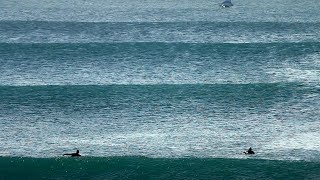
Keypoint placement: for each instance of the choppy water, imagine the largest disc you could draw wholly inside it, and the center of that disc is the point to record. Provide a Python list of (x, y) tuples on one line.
[(161, 79)]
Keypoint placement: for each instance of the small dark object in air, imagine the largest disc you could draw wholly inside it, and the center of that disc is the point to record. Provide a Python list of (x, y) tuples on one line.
[(226, 4)]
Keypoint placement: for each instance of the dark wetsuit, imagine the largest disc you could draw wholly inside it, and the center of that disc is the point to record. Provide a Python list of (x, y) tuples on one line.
[(73, 154), (249, 151)]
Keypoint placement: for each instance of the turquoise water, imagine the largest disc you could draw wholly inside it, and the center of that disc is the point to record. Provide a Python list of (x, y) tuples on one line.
[(154, 168), (160, 89)]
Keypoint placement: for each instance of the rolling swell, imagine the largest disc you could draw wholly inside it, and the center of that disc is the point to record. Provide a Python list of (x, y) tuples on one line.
[(157, 63), (160, 120), (155, 168), (121, 96), (150, 90), (188, 32), (158, 101)]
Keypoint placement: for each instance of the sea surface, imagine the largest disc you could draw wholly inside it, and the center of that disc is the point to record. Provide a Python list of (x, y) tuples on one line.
[(159, 89)]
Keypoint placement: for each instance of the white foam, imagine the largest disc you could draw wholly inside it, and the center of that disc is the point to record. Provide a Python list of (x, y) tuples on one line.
[(306, 141)]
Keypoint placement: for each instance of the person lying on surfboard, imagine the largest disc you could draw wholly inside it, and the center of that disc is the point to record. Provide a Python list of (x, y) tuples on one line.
[(73, 154), (249, 151)]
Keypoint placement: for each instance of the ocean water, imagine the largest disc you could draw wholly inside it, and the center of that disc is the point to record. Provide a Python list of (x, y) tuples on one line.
[(172, 89)]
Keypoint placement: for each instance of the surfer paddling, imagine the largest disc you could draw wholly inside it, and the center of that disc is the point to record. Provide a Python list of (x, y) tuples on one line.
[(249, 151), (73, 154)]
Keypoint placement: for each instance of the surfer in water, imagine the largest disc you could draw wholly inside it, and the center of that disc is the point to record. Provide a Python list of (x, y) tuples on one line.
[(226, 4), (249, 151), (73, 154)]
